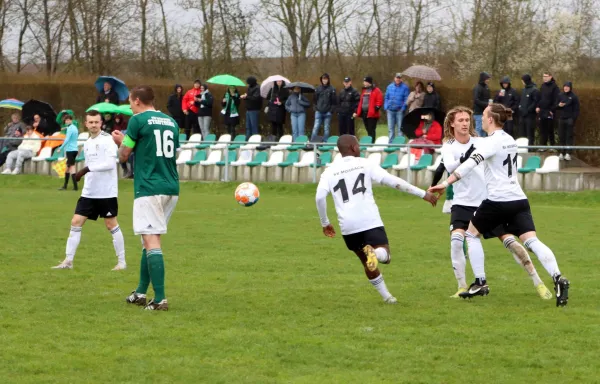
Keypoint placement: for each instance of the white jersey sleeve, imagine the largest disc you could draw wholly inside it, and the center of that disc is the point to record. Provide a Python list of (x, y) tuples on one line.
[(450, 163), (470, 190), (101, 159)]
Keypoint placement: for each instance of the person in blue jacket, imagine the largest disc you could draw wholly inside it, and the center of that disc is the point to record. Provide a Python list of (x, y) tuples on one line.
[(71, 150), (394, 104)]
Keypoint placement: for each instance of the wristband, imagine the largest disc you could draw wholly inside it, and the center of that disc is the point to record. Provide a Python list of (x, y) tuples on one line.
[(445, 184)]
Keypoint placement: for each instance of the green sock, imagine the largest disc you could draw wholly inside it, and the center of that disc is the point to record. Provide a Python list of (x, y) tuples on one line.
[(156, 266), (465, 248), (144, 275)]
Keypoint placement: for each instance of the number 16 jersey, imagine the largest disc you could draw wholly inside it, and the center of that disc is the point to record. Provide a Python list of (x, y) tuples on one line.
[(156, 138), (349, 180)]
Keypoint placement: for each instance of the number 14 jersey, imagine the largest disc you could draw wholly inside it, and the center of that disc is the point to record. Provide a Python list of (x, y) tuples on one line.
[(349, 180)]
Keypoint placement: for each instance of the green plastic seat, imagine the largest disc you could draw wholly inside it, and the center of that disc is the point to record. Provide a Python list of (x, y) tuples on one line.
[(397, 140), (425, 161), (80, 157), (365, 140), (300, 143), (4, 149), (292, 158), (182, 138), (237, 140), (325, 159), (332, 141), (533, 163), (231, 157), (390, 160), (260, 158), (209, 137), (198, 157), (58, 153)]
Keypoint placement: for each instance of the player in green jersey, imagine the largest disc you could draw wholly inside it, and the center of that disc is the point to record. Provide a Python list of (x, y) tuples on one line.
[(154, 138)]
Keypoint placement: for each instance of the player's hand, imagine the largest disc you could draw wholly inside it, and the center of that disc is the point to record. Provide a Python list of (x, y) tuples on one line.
[(118, 137), (439, 189), (329, 231), (467, 154), (81, 173), (431, 198)]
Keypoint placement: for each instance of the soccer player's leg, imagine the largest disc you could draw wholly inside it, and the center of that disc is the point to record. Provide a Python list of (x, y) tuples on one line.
[(84, 210), (138, 296), (459, 222), (109, 211)]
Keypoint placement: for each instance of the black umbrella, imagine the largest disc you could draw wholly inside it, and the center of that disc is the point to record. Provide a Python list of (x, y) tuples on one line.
[(411, 121), (46, 112), (305, 87)]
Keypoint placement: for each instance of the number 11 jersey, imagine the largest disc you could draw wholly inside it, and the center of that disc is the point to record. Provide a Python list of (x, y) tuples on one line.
[(498, 151), (156, 138), (349, 181)]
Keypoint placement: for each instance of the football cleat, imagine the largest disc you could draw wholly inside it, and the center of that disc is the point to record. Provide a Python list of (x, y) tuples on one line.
[(64, 265), (119, 267), (391, 300), (457, 294), (162, 306), (544, 292), (371, 257), (136, 298), (475, 289), (561, 288)]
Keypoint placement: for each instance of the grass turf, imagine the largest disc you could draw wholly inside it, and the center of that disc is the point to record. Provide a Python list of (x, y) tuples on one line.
[(259, 295)]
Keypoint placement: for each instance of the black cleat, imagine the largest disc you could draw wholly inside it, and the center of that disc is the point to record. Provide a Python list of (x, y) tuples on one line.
[(478, 288), (561, 288), (136, 298)]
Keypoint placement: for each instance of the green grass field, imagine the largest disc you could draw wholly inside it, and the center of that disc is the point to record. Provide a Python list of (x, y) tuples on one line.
[(259, 295)]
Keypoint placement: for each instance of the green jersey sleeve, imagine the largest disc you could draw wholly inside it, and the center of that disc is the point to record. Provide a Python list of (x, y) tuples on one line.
[(133, 128)]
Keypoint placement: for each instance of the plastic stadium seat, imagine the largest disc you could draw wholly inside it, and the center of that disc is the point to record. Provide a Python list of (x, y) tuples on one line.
[(324, 159), (337, 157), (184, 156), (275, 159), (522, 142), (390, 161), (245, 157), (253, 142), (210, 137), (198, 157), (365, 140), (45, 153), (260, 158), (213, 158), (423, 163), (222, 142), (59, 153), (284, 143), (230, 158), (80, 157), (374, 158), (436, 164), (383, 140), (194, 140), (519, 161), (299, 143), (397, 140), (404, 162), (292, 158), (308, 158), (551, 164), (332, 144), (83, 136), (238, 140), (531, 165), (182, 137)]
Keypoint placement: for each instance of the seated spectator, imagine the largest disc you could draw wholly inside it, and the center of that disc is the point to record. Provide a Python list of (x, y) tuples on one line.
[(39, 125), (107, 123), (429, 131), (415, 98), (432, 98), (108, 95), (120, 123), (231, 116), (14, 129), (71, 150), (26, 150)]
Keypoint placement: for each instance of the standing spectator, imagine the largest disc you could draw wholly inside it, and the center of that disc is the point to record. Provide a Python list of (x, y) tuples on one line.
[(204, 102), (371, 101), (277, 97), (481, 99), (568, 102), (545, 108), (174, 106), (508, 97), (190, 109), (71, 149), (324, 103), (14, 129), (253, 106), (26, 150), (231, 116), (529, 101), (415, 98), (108, 95), (348, 99), (396, 95), (296, 105), (432, 98)]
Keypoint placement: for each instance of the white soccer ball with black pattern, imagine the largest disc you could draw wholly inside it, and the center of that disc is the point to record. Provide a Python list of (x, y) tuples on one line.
[(247, 194)]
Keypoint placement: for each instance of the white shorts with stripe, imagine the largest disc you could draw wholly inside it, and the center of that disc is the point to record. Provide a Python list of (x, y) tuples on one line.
[(151, 214)]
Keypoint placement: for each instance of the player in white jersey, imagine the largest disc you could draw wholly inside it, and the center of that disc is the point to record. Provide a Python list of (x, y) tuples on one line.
[(469, 192), (506, 203), (99, 194), (350, 183)]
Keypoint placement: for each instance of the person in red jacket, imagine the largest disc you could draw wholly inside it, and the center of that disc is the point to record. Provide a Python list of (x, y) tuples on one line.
[(190, 109), (371, 101), (429, 131)]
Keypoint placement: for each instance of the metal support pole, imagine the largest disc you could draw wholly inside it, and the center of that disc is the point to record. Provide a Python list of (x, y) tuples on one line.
[(226, 176), (408, 170), (314, 165)]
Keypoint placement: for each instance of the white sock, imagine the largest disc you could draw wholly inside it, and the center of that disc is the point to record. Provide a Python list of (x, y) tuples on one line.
[(544, 254), (382, 255), (73, 242), (459, 262), (476, 255), (119, 243), (522, 258), (379, 284)]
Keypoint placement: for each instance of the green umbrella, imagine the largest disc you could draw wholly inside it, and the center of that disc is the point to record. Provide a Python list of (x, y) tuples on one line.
[(226, 80), (104, 108), (125, 109)]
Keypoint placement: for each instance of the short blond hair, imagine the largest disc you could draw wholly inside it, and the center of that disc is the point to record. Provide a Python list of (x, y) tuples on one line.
[(451, 115)]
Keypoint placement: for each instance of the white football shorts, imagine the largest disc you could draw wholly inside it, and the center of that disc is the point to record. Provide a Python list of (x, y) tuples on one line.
[(151, 214)]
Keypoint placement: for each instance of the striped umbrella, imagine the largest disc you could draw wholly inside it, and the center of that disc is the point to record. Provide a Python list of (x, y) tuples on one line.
[(11, 104), (422, 72)]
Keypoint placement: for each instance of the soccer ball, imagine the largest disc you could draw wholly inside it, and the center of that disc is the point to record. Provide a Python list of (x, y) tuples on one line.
[(247, 194)]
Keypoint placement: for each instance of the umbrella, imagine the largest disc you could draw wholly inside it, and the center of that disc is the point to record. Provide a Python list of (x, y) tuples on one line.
[(125, 109), (46, 112), (267, 85), (11, 104), (422, 72), (104, 108), (305, 87), (411, 121), (118, 86), (226, 80), (59, 118)]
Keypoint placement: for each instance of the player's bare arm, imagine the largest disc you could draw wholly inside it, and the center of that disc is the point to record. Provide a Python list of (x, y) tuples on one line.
[(81, 173)]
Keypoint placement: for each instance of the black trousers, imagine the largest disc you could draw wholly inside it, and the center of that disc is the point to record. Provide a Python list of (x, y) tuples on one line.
[(180, 121), (546, 131), (509, 127), (276, 129), (566, 132), (346, 124), (371, 126), (527, 128), (191, 124), (3, 157), (231, 128)]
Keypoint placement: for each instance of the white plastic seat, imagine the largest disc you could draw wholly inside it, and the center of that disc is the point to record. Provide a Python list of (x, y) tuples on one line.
[(253, 142), (284, 142), (276, 158), (405, 162), (436, 164), (374, 158), (519, 161), (245, 157), (184, 155), (194, 140), (382, 140), (337, 157), (522, 142), (83, 136), (223, 139), (438, 150), (45, 153), (213, 158), (551, 164), (307, 159)]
